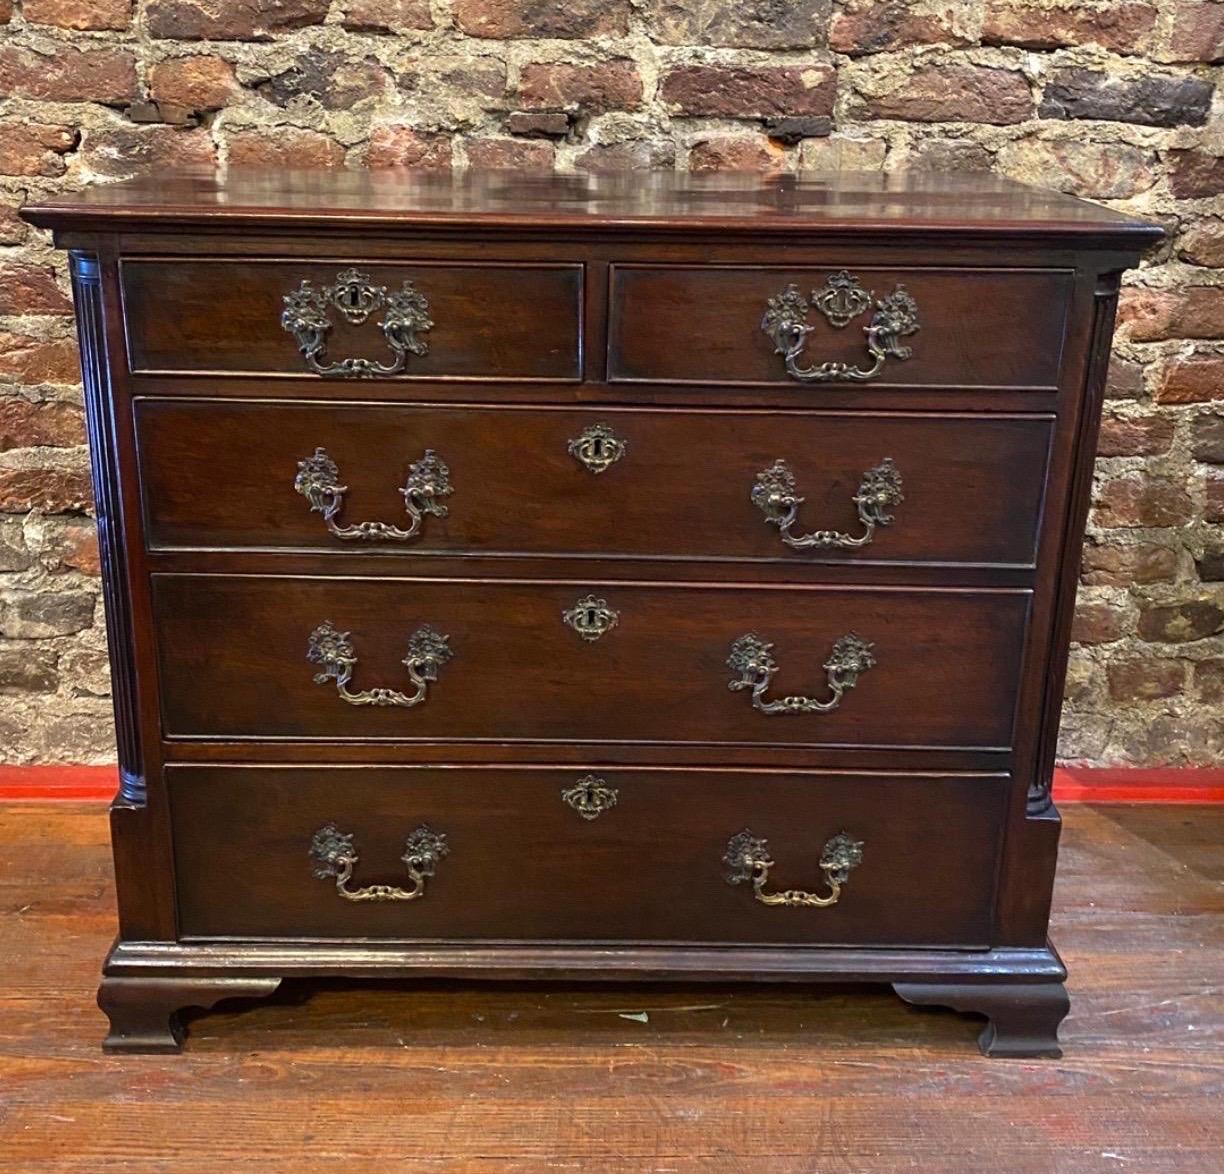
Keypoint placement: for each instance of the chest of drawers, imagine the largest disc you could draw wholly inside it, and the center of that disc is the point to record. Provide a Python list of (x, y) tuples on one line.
[(632, 577)]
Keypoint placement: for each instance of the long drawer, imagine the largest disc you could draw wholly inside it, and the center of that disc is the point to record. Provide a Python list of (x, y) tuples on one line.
[(745, 485), (933, 327), (548, 853), (347, 658), (400, 320)]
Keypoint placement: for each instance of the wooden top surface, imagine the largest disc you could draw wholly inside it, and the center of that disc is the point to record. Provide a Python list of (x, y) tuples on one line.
[(827, 204)]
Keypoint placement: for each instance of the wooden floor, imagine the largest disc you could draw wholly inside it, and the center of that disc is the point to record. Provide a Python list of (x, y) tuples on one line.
[(358, 1079)]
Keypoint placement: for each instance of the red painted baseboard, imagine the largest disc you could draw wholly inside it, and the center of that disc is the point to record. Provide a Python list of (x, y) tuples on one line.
[(1188, 784)]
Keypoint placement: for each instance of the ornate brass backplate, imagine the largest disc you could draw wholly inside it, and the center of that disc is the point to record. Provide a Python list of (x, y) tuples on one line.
[(598, 448), (775, 494), (590, 796), (841, 300), (307, 316), (747, 859), (752, 658), (428, 651), (318, 481), (591, 617), (335, 855)]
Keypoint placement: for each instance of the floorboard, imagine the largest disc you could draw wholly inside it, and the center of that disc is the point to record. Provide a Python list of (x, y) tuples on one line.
[(444, 1077)]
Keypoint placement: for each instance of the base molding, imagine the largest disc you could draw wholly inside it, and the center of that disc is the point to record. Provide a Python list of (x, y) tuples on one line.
[(146, 984)]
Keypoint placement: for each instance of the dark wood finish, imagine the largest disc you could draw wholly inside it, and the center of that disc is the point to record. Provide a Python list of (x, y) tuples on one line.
[(232, 662), (617, 1077), (979, 327), (1021, 1018), (144, 1013), (649, 868), (973, 485), (214, 577), (519, 321)]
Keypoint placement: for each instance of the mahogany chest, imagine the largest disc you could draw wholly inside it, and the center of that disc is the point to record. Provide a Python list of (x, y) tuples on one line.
[(628, 577)]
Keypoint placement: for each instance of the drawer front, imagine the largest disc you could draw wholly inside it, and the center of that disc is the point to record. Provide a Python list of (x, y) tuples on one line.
[(522, 862), (490, 321), (655, 484), (532, 661), (975, 327)]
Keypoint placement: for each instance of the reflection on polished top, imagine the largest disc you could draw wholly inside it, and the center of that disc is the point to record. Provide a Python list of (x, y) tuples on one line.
[(907, 201)]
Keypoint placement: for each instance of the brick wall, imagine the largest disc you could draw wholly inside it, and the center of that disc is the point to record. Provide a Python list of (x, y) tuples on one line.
[(1114, 100)]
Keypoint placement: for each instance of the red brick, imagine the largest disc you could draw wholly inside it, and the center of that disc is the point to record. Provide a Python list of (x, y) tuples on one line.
[(203, 82), (1197, 33), (77, 548), (285, 146), (1139, 500), (13, 230), (957, 93), (1213, 509), (34, 148), (1209, 680), (873, 26), (31, 289), (1207, 437), (1195, 174), (79, 14), (740, 24), (1124, 27), (542, 123), (516, 154), (1181, 623), (385, 16), (39, 425), (1152, 315), (610, 85), (723, 91), (33, 360), (402, 146), (736, 153), (1131, 436), (69, 75), (6, 11), (1145, 680), (1192, 381), (530, 18), (1124, 380), (636, 155), (50, 488), (142, 150), (231, 20), (1098, 623), (1111, 565), (1203, 243)]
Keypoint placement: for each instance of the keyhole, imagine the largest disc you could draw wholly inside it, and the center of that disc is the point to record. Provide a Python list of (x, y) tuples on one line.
[(592, 618)]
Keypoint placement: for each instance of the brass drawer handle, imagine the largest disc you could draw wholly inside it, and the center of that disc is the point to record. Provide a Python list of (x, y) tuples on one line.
[(774, 495), (841, 300), (747, 859), (307, 316), (427, 652), (590, 796), (428, 479), (335, 855), (751, 658)]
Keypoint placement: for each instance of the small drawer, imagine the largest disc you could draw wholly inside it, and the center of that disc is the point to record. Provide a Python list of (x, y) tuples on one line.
[(339, 320), (875, 327), (742, 486), (352, 659), (543, 853)]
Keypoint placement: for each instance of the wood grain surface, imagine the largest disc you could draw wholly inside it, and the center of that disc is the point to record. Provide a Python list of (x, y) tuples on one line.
[(668, 1079)]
